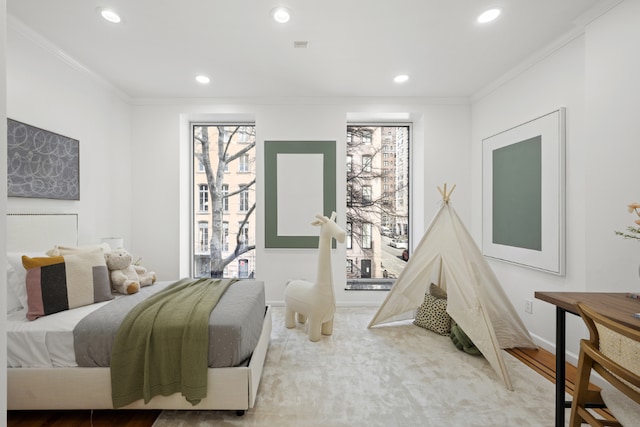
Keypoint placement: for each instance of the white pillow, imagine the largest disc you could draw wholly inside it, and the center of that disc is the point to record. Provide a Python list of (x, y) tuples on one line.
[(68, 250), (16, 280)]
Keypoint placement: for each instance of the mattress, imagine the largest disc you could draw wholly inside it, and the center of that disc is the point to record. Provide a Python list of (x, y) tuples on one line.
[(234, 325)]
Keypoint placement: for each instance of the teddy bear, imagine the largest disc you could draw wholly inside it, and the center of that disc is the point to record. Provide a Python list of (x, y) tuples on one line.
[(127, 278)]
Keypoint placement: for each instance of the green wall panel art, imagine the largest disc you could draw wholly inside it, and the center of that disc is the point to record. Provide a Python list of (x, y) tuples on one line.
[(273, 198)]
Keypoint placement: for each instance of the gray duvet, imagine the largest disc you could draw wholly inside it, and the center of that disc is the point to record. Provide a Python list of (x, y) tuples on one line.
[(234, 325)]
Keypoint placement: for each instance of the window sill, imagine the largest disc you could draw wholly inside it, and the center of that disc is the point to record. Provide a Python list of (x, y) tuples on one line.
[(369, 284)]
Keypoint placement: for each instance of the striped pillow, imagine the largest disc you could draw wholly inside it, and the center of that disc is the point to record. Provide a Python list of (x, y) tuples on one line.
[(60, 283)]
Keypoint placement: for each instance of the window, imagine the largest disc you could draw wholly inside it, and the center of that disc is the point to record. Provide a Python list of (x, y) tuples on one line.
[(243, 237), (377, 202), (203, 205), (225, 236), (244, 135), (225, 197), (349, 266), (244, 198), (366, 163), (366, 236), (222, 200), (366, 194), (203, 237), (366, 138), (243, 163)]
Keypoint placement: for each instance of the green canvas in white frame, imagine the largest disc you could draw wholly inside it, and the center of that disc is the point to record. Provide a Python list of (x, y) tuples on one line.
[(300, 182), (523, 194)]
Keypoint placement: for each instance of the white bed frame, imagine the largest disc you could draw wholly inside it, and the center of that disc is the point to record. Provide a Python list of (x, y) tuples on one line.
[(90, 388)]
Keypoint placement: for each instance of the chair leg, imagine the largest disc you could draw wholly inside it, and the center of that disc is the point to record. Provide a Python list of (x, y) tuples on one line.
[(580, 391)]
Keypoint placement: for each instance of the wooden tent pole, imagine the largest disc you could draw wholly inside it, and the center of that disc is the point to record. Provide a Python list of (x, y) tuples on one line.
[(446, 195)]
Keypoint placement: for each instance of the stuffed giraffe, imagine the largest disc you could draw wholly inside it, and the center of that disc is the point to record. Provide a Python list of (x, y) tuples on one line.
[(316, 301)]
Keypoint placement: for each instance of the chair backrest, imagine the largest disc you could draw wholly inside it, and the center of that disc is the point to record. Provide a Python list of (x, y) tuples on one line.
[(615, 351)]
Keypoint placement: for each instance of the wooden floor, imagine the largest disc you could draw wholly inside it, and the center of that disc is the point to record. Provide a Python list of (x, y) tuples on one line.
[(539, 360)]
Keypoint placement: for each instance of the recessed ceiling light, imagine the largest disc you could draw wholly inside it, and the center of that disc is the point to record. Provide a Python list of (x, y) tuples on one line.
[(281, 14), (110, 16), (401, 78), (488, 15), (203, 79)]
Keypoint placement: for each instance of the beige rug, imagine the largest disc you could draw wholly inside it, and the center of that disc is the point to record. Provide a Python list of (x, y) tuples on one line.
[(399, 375)]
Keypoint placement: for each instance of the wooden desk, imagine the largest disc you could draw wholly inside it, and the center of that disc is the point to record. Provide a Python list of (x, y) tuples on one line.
[(616, 306)]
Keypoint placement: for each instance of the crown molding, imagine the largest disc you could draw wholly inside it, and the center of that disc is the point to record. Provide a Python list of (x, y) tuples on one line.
[(19, 27), (580, 24)]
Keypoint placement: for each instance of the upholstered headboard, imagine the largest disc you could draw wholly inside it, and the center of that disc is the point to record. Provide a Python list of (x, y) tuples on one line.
[(32, 232)]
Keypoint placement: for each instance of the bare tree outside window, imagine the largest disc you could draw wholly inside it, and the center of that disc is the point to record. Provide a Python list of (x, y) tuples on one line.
[(230, 252), (377, 204)]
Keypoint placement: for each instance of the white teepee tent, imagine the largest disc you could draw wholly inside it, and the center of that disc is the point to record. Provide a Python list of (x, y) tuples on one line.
[(475, 298)]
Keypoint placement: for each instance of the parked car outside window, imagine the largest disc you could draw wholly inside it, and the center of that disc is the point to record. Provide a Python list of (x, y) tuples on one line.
[(399, 243)]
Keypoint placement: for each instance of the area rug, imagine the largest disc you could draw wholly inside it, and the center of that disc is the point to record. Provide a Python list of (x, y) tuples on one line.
[(399, 375)]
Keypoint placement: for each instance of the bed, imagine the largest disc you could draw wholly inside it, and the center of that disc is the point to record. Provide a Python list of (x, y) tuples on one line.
[(44, 376)]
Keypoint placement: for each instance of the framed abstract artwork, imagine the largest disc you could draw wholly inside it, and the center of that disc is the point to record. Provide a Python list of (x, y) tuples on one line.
[(523, 194), (300, 182), (41, 164)]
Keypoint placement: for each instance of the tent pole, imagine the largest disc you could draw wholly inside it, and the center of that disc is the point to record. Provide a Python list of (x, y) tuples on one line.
[(446, 195)]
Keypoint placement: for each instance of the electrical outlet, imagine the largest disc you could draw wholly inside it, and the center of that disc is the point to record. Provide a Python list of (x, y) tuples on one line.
[(528, 306)]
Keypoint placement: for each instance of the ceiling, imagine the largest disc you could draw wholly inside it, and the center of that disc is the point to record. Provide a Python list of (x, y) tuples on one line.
[(355, 47)]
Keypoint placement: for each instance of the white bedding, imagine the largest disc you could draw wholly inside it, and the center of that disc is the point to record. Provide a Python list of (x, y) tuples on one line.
[(45, 342)]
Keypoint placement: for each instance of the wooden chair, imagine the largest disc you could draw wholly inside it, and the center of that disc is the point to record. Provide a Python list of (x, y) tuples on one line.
[(613, 351)]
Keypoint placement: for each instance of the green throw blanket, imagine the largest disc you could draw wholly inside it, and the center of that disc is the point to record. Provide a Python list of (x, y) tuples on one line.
[(162, 344)]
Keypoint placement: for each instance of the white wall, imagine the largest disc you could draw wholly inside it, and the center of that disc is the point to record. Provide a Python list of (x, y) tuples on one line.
[(595, 77), (62, 97), (612, 97), (160, 133)]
